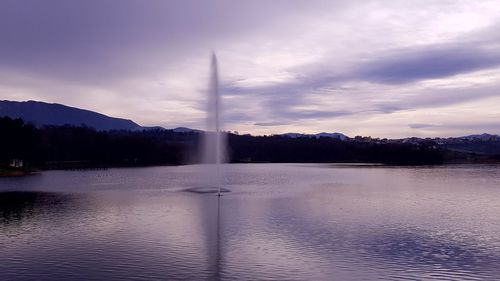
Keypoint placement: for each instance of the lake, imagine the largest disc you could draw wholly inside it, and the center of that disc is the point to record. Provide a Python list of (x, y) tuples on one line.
[(278, 222)]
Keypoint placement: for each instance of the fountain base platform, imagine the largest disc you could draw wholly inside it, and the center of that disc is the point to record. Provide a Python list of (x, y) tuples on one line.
[(207, 190)]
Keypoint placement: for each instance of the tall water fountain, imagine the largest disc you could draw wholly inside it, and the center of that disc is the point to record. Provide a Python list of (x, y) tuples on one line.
[(214, 142)]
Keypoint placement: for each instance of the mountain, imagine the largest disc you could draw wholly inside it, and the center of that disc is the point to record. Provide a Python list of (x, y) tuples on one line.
[(338, 136), (485, 144), (185, 130), (482, 137), (42, 114)]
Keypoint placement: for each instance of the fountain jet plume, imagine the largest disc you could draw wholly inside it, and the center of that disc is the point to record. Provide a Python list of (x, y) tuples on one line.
[(214, 139)]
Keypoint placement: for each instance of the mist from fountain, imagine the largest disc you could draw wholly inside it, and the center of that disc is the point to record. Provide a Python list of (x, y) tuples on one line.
[(214, 140)]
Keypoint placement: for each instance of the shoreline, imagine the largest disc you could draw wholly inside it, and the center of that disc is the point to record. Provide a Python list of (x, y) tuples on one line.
[(6, 172)]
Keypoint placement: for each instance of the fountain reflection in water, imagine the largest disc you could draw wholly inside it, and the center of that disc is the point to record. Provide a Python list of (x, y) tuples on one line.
[(214, 141)]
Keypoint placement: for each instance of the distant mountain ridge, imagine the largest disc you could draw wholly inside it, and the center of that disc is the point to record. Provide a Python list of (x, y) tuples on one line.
[(482, 137), (42, 114), (338, 136), (185, 130)]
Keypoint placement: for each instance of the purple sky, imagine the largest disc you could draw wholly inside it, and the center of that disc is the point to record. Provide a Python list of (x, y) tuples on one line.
[(380, 68)]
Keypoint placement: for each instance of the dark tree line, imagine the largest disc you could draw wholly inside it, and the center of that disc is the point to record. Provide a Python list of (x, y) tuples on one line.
[(17, 140), (74, 147), (283, 149)]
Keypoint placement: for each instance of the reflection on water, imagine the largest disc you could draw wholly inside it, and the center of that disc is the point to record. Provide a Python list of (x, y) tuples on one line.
[(21, 205), (279, 222)]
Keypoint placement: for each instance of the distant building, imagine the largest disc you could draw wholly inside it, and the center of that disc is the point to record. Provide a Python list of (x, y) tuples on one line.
[(16, 163)]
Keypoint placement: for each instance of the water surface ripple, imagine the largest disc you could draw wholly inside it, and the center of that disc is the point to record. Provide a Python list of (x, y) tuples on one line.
[(279, 222)]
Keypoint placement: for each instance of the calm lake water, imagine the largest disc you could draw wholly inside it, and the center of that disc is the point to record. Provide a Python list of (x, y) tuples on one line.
[(279, 222)]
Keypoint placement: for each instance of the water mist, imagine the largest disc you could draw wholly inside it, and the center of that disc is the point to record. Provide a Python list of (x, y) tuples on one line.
[(214, 141)]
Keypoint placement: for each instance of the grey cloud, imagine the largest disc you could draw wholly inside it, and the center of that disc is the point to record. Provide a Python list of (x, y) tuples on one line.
[(286, 116), (389, 108), (396, 66), (87, 40), (413, 64), (96, 40), (393, 67), (466, 128), (314, 114), (267, 124), (420, 125), (477, 127), (436, 98)]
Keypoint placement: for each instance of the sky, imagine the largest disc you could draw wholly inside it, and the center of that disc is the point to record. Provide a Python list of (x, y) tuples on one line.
[(386, 68)]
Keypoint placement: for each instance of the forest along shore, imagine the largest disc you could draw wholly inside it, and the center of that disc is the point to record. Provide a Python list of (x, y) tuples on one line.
[(29, 148)]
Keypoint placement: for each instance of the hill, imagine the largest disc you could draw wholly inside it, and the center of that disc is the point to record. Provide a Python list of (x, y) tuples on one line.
[(43, 114)]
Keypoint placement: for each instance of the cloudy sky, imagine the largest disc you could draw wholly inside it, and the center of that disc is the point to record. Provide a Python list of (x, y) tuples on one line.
[(380, 68)]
